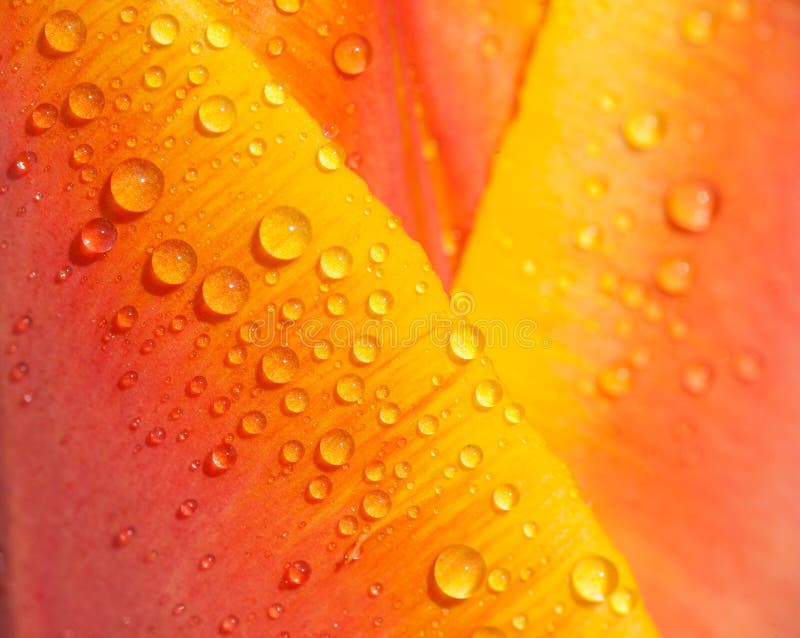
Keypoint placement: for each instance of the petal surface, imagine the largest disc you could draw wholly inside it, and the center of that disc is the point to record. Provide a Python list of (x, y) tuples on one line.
[(224, 415), (642, 212), (420, 123)]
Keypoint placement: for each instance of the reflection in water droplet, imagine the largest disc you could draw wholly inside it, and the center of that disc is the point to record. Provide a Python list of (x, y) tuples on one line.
[(352, 54), (593, 579), (459, 571), (225, 290)]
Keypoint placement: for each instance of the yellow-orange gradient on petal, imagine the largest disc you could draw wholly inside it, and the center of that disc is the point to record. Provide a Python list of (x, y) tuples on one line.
[(237, 398), (643, 213), (416, 93)]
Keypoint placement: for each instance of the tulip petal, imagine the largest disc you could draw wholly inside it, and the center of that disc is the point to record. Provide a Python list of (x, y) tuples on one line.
[(641, 213), (422, 120), (238, 399)]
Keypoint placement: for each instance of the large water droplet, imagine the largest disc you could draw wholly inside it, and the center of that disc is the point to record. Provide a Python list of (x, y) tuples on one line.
[(85, 101), (136, 185), (65, 31), (459, 571), (164, 29), (336, 447), (352, 54), (505, 497), (216, 114), (284, 233), (692, 204), (225, 290), (376, 504), (466, 342), (98, 235), (280, 365), (593, 579), (336, 262), (173, 262), (644, 130), (350, 388)]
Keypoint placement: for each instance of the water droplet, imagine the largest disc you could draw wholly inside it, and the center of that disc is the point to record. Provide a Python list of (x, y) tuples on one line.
[(380, 302), (44, 116), (488, 393), (228, 624), (428, 425), (23, 164), (136, 185), (197, 75), (98, 235), (124, 537), (466, 342), (622, 601), (376, 504), (674, 276), (498, 579), (615, 381), (459, 571), (365, 350), (65, 31), (378, 253), (173, 262), (352, 54), (85, 101), (336, 447), (219, 34), (593, 579), (127, 15), (692, 204), (470, 456), (216, 114), (221, 459), (529, 529), (697, 27), (644, 130), (348, 525), (505, 497), (296, 574), (489, 632), (588, 237), (336, 304), (296, 400), (275, 46), (350, 388), (696, 378), (164, 29), (318, 488), (253, 422), (206, 562), (289, 6), (154, 77), (280, 365), (514, 413), (187, 508), (225, 290), (284, 233), (292, 452), (747, 366), (275, 93), (336, 262), (125, 318), (375, 471), (156, 436), (330, 156)]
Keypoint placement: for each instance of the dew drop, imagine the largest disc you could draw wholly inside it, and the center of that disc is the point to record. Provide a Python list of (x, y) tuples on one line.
[(85, 101), (428, 425), (136, 185), (336, 447), (296, 574), (352, 54), (674, 276), (514, 413), (296, 400), (65, 31), (365, 350), (498, 579), (292, 452), (644, 130), (696, 378), (336, 304), (154, 77), (197, 75), (336, 262), (44, 116), (318, 488), (615, 381), (466, 342), (350, 388), (219, 34), (187, 508), (459, 571), (380, 302), (330, 157), (275, 46), (505, 497), (221, 459), (164, 29), (593, 579), (280, 365), (23, 164), (470, 456), (348, 525), (228, 624), (196, 386), (173, 262), (125, 318), (275, 93), (124, 537), (376, 504), (98, 235), (289, 6), (622, 601), (692, 204), (216, 114), (284, 233), (225, 290), (253, 422), (488, 393), (747, 366)]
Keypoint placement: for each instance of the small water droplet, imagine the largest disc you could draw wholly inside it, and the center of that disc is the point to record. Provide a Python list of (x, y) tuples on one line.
[(173, 262), (85, 101), (593, 579), (44, 116), (352, 54), (644, 130), (292, 452), (225, 290), (350, 388), (289, 6), (488, 393), (692, 204), (216, 114), (253, 422), (505, 497), (466, 342), (187, 508), (318, 488), (280, 365), (459, 571), (376, 504), (284, 233), (336, 447), (296, 574), (221, 459), (98, 235)]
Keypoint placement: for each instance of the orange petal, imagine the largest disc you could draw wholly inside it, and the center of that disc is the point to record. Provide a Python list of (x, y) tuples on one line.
[(181, 448), (642, 215), (421, 121)]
